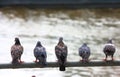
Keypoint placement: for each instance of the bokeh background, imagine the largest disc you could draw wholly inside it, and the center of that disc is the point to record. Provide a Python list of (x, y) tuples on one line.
[(78, 26)]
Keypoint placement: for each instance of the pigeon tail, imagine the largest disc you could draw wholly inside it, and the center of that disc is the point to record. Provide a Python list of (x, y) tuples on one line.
[(15, 61), (62, 67), (63, 58), (42, 60), (17, 41), (62, 63)]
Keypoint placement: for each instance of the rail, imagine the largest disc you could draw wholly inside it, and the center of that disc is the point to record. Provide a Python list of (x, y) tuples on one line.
[(55, 64)]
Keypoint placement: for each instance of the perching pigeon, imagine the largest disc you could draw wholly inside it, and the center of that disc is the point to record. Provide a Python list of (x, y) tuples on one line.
[(84, 52), (109, 50), (16, 52), (61, 52), (40, 54)]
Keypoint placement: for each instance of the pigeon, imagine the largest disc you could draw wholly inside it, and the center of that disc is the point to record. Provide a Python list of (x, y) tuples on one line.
[(84, 52), (16, 52), (40, 54), (61, 52), (109, 50)]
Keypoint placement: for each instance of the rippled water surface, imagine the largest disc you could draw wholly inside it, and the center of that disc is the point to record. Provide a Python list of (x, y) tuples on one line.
[(93, 26)]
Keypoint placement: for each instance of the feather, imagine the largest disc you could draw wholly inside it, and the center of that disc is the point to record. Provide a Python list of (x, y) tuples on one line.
[(16, 51), (40, 53), (109, 49), (84, 52), (61, 52)]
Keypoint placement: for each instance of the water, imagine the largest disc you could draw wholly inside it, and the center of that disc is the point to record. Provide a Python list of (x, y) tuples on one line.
[(94, 27)]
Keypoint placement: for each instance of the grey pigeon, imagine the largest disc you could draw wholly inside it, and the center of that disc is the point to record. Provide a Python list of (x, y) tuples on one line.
[(84, 52), (109, 50), (61, 52), (16, 51), (40, 54)]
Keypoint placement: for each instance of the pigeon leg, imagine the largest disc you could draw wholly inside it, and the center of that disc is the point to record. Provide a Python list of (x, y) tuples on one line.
[(83, 60), (105, 58), (36, 60), (20, 61), (86, 60), (112, 58)]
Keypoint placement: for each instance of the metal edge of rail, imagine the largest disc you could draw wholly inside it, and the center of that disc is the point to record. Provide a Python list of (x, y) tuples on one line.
[(55, 64)]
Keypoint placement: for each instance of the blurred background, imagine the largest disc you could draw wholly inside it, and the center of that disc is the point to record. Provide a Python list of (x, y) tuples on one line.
[(78, 26)]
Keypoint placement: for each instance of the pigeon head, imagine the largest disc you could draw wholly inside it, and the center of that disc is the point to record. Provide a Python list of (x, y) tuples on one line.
[(38, 44), (61, 41), (84, 44), (17, 41), (110, 41)]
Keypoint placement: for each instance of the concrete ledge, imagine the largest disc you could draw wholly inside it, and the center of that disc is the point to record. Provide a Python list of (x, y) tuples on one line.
[(62, 3)]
